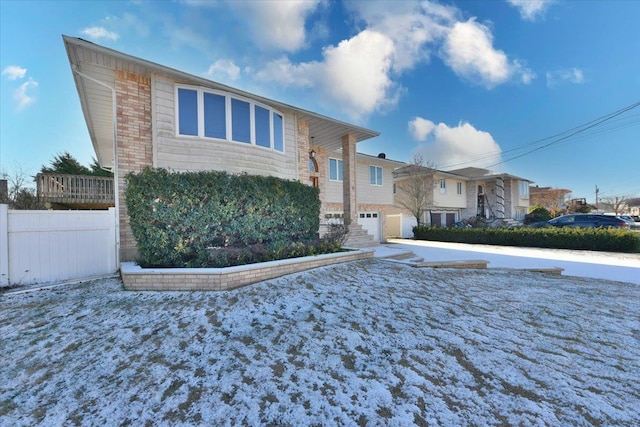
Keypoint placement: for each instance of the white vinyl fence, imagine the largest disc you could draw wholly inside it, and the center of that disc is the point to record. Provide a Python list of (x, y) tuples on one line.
[(53, 246)]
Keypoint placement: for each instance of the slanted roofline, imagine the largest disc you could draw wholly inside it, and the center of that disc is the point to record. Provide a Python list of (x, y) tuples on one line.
[(94, 69)]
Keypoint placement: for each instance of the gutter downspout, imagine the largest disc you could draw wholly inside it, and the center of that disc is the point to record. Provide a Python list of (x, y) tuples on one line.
[(116, 186)]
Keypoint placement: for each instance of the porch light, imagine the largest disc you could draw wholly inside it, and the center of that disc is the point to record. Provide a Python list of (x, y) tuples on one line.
[(312, 154)]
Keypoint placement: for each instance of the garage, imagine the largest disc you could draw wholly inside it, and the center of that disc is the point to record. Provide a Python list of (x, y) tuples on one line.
[(370, 221)]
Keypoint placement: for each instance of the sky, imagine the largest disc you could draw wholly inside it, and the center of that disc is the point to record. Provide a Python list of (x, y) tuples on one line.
[(544, 90)]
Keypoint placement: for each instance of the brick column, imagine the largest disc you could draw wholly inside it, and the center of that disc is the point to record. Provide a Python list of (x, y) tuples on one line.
[(135, 146), (302, 143), (349, 179), (499, 198)]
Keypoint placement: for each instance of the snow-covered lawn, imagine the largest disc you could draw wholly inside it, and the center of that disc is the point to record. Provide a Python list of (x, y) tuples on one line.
[(365, 343)]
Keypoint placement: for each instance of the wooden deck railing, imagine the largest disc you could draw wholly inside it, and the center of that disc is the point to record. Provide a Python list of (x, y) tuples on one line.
[(60, 188)]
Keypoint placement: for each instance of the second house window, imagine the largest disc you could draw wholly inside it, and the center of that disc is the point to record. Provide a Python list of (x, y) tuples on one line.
[(375, 175), (335, 170)]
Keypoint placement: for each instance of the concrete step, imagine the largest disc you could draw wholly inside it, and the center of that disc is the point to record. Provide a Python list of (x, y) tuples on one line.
[(474, 263), (359, 238)]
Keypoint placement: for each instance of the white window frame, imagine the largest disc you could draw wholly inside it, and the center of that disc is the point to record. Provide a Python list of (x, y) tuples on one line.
[(375, 176), (339, 167), (459, 188), (443, 186), (200, 91)]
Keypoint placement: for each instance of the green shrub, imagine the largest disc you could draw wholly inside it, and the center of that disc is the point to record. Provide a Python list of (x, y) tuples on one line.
[(211, 219), (594, 239), (537, 214)]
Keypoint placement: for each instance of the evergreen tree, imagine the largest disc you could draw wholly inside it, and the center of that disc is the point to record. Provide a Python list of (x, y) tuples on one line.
[(66, 164)]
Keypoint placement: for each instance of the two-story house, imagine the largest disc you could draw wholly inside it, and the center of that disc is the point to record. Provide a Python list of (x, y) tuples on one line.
[(140, 114), (460, 194)]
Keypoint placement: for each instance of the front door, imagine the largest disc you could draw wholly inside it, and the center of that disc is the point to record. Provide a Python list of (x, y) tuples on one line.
[(481, 199)]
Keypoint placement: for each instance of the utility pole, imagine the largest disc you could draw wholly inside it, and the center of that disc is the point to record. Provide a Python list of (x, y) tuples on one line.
[(597, 191)]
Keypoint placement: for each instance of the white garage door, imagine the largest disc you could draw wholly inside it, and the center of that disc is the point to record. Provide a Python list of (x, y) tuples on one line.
[(370, 221)]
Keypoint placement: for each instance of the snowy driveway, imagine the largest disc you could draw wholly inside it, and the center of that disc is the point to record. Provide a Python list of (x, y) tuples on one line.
[(367, 343)]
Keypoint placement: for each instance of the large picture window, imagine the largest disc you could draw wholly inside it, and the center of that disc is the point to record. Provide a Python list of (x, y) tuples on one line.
[(188, 105), (215, 116), (263, 127), (240, 121), (335, 170), (278, 134), (209, 114)]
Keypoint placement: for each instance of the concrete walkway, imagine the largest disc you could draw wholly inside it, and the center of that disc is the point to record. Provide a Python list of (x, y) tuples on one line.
[(598, 265)]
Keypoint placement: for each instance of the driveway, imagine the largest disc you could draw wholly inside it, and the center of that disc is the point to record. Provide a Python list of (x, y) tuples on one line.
[(598, 265)]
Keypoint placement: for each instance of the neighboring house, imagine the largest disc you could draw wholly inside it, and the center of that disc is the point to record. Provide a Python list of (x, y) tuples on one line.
[(469, 192), (633, 206), (140, 114), (552, 199)]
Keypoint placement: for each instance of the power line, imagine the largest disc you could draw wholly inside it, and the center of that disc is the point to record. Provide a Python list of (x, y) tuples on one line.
[(561, 137), (579, 130)]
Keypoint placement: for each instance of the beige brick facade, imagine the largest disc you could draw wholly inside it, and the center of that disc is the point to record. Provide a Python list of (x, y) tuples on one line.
[(134, 138)]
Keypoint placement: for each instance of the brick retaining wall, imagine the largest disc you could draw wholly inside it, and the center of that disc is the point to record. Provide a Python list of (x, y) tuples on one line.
[(136, 278)]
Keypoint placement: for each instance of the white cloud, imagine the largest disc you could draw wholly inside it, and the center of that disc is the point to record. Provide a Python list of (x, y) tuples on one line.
[(356, 73), (286, 73), (530, 9), (277, 24), (468, 50), (453, 147), (421, 128), (359, 75), (353, 76), (22, 94), (223, 69), (414, 27), (570, 75), (14, 72), (100, 33)]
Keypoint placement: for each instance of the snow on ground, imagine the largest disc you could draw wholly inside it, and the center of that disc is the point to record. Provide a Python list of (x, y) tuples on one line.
[(621, 267), (365, 343)]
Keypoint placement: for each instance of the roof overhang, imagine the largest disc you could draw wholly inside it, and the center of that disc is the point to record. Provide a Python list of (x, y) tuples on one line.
[(94, 70)]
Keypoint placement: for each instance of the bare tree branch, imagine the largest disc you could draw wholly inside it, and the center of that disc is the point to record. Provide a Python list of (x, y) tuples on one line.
[(414, 187)]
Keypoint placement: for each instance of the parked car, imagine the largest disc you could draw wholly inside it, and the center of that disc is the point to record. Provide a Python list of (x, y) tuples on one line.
[(629, 219), (585, 220)]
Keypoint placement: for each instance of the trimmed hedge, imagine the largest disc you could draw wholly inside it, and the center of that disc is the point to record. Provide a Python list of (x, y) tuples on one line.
[(592, 239), (215, 219)]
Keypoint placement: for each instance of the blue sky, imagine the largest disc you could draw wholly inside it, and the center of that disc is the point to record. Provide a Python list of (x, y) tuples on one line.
[(497, 84)]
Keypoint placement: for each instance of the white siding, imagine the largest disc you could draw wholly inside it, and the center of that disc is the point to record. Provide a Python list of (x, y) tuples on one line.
[(181, 153), (373, 194), (333, 188), (450, 199)]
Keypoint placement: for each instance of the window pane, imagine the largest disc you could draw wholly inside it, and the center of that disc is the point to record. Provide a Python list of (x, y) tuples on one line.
[(333, 170), (240, 121), (379, 175), (187, 112), (278, 137), (372, 175), (263, 131), (215, 125), (339, 170)]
